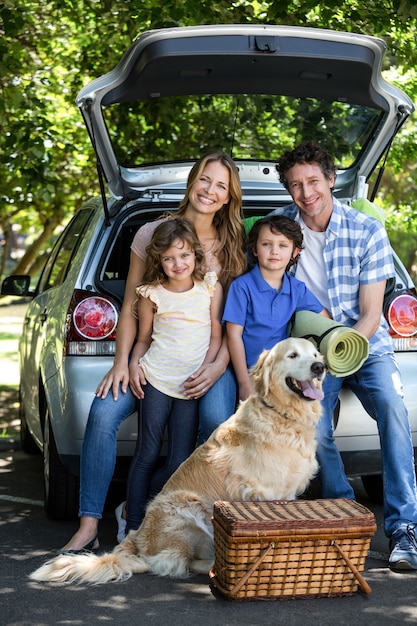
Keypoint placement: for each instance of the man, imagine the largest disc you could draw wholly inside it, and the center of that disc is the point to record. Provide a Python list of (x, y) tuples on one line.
[(346, 262)]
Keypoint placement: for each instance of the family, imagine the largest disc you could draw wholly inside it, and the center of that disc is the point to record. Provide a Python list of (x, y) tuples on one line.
[(208, 301)]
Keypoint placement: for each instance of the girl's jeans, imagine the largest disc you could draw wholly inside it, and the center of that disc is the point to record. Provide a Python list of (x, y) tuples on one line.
[(379, 388), (156, 411), (98, 456)]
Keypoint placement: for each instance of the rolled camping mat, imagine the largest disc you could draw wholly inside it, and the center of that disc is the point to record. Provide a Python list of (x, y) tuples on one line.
[(344, 349)]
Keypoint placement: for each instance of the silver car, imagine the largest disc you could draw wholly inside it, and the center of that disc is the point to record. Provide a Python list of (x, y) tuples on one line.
[(252, 91)]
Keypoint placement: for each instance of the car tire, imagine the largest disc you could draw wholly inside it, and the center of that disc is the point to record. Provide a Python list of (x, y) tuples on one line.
[(27, 442), (374, 488), (60, 486)]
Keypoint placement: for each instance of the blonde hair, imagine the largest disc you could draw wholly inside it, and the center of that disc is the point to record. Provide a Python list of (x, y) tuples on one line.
[(230, 252)]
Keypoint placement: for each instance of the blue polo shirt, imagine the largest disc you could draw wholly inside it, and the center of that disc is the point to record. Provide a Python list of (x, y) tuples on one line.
[(265, 312)]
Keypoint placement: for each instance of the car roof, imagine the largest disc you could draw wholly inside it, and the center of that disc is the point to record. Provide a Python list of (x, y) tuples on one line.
[(242, 59)]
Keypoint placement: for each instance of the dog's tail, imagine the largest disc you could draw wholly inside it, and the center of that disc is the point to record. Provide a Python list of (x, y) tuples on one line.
[(94, 569)]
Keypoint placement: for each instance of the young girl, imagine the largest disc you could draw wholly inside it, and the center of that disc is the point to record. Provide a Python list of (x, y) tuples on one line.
[(261, 302), (179, 310)]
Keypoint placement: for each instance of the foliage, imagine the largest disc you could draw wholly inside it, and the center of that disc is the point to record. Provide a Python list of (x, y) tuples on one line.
[(49, 49)]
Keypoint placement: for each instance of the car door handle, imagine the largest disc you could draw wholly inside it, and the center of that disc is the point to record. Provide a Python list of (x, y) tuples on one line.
[(43, 317)]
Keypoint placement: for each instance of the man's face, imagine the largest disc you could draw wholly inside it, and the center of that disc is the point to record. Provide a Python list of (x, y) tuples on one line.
[(311, 190)]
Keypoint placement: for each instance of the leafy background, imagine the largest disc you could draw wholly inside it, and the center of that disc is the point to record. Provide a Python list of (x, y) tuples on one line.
[(50, 49)]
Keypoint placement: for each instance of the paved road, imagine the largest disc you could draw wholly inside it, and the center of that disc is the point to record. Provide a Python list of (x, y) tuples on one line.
[(28, 538)]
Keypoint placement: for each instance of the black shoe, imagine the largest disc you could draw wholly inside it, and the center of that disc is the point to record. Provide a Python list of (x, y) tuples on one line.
[(84, 550)]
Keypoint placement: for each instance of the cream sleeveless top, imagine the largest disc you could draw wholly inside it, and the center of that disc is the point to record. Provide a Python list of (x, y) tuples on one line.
[(181, 334)]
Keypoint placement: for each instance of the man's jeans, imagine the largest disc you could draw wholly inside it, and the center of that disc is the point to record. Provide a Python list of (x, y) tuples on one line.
[(378, 386), (98, 456)]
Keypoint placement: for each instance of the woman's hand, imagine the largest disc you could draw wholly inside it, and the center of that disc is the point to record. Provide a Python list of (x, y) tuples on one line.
[(200, 382), (137, 379), (116, 377)]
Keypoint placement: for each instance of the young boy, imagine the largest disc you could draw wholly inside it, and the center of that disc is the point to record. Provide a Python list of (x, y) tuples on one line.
[(261, 302)]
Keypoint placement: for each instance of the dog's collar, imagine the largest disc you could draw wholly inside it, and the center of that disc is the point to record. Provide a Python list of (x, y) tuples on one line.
[(269, 406)]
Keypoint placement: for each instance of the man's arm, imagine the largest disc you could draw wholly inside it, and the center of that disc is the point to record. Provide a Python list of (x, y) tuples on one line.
[(371, 299)]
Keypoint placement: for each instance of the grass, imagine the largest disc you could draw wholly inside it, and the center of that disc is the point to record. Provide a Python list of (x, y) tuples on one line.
[(9, 385), (9, 411), (9, 336)]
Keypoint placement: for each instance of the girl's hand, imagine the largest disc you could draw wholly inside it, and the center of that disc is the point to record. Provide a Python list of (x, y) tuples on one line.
[(137, 379), (118, 375), (200, 382)]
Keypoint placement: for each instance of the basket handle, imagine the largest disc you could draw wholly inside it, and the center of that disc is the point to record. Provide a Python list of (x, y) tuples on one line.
[(362, 582), (250, 571)]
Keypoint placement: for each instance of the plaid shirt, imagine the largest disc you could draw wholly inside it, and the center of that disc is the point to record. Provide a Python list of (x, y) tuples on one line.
[(357, 252)]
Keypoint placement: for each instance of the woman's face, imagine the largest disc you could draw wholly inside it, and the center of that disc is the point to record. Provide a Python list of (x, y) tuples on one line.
[(211, 190)]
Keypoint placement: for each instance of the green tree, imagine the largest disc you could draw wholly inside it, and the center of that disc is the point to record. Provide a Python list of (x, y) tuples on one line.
[(49, 49)]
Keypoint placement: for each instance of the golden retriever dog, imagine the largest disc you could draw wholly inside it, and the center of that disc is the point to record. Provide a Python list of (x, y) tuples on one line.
[(265, 451)]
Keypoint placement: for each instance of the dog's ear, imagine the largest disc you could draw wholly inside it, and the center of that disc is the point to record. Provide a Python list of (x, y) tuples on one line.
[(260, 373)]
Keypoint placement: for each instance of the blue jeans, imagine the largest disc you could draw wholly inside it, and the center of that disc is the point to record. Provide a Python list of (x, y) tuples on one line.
[(156, 412), (98, 456), (217, 405), (379, 388)]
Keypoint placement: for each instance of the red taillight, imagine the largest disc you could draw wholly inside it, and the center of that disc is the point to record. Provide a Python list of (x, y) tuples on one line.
[(91, 325), (402, 315), (95, 318)]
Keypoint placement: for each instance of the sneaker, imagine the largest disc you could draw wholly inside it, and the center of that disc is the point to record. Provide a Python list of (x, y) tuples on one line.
[(403, 547), (121, 523)]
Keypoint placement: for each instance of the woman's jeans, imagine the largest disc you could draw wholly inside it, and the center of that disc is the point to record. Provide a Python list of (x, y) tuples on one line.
[(156, 412), (98, 456), (379, 388), (217, 405)]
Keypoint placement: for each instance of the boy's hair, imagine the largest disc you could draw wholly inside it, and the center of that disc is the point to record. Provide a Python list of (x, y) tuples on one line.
[(163, 237), (278, 224), (307, 152)]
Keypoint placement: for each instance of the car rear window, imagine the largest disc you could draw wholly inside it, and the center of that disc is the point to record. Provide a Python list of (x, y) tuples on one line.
[(254, 127)]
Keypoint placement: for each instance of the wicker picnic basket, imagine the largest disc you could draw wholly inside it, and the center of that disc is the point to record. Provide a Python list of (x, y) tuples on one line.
[(290, 548)]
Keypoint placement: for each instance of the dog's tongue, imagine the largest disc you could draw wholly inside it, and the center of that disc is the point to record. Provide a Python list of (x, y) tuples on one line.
[(310, 391)]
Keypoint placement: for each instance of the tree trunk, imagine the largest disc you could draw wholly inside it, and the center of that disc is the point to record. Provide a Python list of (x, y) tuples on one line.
[(29, 260)]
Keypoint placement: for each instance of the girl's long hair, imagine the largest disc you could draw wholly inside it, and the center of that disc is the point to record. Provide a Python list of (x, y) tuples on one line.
[(162, 239), (231, 251)]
